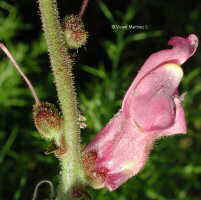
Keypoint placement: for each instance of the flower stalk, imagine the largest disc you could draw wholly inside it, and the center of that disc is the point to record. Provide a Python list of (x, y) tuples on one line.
[(6, 51), (83, 7), (61, 64)]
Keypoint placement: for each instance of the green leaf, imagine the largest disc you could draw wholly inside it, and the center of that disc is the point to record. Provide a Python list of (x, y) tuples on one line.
[(143, 36), (99, 72), (106, 11)]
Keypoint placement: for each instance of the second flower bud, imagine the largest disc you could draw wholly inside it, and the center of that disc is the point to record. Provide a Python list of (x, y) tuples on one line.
[(75, 33), (48, 121)]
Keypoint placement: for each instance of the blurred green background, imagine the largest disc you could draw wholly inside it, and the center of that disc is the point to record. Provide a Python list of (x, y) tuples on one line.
[(104, 70)]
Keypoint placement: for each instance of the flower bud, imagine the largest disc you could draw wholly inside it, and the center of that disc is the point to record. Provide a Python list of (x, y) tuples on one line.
[(48, 120), (75, 33)]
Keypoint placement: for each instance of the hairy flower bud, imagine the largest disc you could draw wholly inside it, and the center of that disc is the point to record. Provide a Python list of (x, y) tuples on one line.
[(48, 120), (75, 33)]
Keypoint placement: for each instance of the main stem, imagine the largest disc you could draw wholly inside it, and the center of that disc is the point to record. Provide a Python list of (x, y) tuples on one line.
[(61, 63)]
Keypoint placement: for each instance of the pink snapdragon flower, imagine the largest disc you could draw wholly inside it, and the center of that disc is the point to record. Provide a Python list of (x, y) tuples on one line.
[(150, 109)]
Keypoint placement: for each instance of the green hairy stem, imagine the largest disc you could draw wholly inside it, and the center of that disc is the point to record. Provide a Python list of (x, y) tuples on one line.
[(61, 63)]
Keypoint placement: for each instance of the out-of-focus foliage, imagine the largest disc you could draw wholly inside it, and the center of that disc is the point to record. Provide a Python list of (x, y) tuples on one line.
[(103, 72)]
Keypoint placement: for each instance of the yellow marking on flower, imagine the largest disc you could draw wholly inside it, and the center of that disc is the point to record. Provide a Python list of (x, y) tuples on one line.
[(175, 69)]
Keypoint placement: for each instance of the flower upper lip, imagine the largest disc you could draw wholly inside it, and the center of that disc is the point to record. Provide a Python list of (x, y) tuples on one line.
[(183, 48), (161, 72)]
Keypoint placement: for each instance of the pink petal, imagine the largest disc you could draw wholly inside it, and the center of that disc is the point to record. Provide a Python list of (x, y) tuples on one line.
[(105, 139), (179, 126), (151, 105), (181, 51)]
